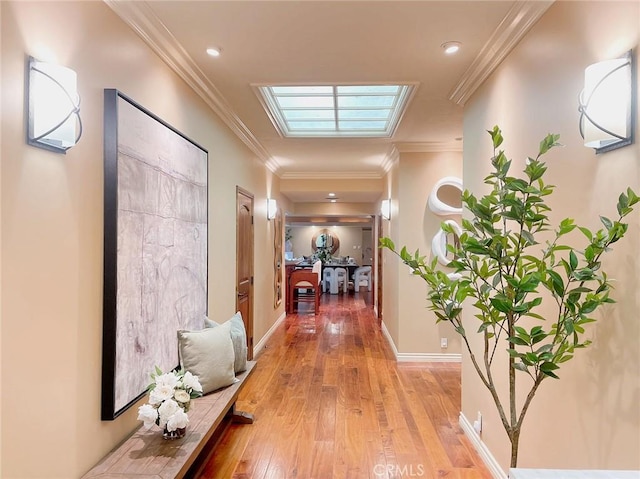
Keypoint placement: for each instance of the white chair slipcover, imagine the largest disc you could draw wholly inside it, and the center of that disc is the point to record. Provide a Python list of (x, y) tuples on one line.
[(329, 281), (362, 277), (342, 278)]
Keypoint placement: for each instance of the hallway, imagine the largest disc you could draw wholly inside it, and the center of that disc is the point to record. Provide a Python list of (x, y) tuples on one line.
[(330, 401)]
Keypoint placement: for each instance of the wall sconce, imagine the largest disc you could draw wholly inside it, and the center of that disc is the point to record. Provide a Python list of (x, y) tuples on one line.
[(385, 209), (54, 107), (606, 120), (272, 208)]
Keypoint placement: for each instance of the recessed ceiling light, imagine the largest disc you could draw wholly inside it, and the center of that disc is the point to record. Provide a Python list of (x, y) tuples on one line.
[(451, 47), (332, 194), (214, 52)]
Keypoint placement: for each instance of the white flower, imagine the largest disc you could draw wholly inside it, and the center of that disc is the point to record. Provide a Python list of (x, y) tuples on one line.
[(169, 400), (168, 379), (178, 420), (148, 414), (191, 382), (181, 396), (161, 393), (166, 410)]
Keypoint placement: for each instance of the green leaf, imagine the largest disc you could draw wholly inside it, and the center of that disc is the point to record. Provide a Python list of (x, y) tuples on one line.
[(606, 222), (587, 232), (566, 226), (568, 326), (548, 367), (521, 367), (557, 283), (514, 353), (502, 305), (573, 260), (549, 142), (532, 357), (496, 136), (528, 237), (518, 341), (580, 289), (589, 253), (387, 243), (623, 203), (589, 307)]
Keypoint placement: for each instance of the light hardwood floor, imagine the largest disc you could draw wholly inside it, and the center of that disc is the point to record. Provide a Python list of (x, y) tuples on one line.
[(330, 401)]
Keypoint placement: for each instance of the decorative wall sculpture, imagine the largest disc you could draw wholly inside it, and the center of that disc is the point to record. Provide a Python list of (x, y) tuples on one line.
[(278, 233), (446, 197), (155, 237), (440, 241)]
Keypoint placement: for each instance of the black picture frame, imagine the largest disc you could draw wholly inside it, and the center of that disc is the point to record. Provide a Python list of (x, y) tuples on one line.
[(155, 247)]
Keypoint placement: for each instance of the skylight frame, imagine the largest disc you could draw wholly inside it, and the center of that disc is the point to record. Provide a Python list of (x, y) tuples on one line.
[(334, 122)]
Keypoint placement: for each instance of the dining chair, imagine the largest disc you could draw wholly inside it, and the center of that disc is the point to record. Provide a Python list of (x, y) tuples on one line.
[(342, 279), (305, 287), (362, 277), (329, 282)]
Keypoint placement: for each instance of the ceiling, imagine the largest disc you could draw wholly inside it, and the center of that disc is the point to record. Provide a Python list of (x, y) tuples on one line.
[(350, 42)]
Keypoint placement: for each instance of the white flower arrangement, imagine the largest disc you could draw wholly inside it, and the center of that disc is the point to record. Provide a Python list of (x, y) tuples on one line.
[(170, 396)]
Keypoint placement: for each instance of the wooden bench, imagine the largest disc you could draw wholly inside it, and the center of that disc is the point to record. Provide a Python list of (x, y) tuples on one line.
[(146, 455)]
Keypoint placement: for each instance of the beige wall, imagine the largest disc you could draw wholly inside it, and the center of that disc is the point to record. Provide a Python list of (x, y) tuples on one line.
[(390, 270), (52, 248), (322, 187), (414, 225), (419, 173), (327, 208), (590, 418)]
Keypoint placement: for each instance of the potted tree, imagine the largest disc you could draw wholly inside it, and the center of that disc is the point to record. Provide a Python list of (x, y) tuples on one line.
[(509, 262)]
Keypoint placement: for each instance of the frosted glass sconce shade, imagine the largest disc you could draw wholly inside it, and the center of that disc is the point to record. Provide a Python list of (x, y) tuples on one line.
[(385, 209), (54, 107), (272, 208), (605, 105)]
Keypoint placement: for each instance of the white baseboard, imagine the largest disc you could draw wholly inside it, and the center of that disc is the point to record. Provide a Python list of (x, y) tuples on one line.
[(420, 357), (484, 452), (429, 358), (263, 341)]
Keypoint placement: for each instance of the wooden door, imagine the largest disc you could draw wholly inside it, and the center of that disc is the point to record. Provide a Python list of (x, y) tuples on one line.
[(244, 262)]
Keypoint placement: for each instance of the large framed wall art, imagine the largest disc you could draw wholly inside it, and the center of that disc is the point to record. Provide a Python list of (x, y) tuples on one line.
[(155, 247)]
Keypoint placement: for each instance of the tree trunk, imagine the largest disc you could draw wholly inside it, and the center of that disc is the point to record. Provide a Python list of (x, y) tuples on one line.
[(515, 439)]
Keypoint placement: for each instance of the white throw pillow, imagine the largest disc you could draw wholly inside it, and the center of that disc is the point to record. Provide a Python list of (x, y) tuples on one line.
[(238, 337), (209, 355)]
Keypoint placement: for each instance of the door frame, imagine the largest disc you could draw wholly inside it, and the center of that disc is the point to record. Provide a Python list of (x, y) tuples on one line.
[(241, 192)]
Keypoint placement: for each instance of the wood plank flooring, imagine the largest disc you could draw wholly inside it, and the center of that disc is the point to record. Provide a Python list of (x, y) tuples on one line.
[(330, 401)]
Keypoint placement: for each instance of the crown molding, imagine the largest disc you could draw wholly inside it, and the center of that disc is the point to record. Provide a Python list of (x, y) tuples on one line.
[(428, 147), (516, 23), (142, 19), (331, 175)]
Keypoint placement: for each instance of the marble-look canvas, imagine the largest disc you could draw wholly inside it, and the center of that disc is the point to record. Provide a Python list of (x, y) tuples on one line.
[(161, 254)]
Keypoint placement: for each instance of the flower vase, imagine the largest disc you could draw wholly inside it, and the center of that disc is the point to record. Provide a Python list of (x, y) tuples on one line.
[(177, 434)]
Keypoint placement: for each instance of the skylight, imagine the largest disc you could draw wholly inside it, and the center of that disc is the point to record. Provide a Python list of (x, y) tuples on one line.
[(336, 110)]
